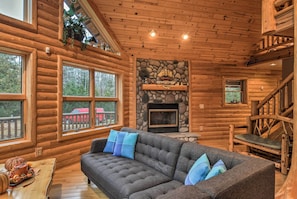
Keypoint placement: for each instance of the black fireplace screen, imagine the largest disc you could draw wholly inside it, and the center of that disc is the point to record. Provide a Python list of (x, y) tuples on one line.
[(163, 118)]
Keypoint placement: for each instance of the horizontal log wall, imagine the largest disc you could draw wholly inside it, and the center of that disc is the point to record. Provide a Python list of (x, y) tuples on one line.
[(206, 85), (66, 152)]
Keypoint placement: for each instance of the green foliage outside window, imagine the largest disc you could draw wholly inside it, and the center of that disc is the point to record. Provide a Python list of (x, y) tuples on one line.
[(10, 83)]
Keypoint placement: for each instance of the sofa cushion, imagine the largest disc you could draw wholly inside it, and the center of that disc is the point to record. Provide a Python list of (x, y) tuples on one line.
[(198, 171), (111, 140), (156, 151), (119, 176), (125, 144), (218, 168), (157, 190)]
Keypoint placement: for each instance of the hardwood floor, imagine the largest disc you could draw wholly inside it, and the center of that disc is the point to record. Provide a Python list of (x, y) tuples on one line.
[(70, 183)]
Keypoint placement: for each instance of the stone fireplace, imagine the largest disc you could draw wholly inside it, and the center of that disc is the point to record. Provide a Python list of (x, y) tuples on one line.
[(165, 74)]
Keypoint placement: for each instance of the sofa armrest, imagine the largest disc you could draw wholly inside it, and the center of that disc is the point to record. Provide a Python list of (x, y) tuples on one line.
[(254, 178), (185, 192), (98, 145)]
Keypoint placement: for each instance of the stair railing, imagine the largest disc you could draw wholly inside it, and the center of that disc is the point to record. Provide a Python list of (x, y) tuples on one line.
[(279, 103)]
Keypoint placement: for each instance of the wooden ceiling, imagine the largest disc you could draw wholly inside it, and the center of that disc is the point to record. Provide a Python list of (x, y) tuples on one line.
[(220, 31)]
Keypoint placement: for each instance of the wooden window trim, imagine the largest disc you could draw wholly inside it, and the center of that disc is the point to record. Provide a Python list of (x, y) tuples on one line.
[(92, 131), (245, 100), (29, 97), (32, 27)]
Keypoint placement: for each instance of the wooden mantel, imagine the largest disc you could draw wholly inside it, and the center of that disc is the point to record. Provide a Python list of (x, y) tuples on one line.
[(162, 87)]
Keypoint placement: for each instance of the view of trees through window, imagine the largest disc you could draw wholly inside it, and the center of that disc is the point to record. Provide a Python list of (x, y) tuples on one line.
[(235, 91), (11, 69), (78, 99)]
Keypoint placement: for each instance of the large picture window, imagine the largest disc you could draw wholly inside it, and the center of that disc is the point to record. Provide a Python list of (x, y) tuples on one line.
[(16, 96), (89, 98)]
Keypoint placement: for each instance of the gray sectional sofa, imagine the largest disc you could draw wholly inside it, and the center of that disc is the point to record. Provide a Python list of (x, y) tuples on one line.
[(160, 167)]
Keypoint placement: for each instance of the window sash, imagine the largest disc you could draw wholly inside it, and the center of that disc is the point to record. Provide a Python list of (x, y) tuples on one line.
[(235, 91), (24, 14), (90, 119), (12, 102)]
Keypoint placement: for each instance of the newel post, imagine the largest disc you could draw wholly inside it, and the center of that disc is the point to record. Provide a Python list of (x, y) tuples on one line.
[(254, 111)]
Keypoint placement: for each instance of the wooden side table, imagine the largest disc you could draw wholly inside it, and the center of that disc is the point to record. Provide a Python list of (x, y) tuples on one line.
[(37, 187)]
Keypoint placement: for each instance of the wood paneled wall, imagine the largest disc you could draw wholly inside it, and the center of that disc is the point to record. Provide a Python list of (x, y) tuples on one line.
[(47, 88), (206, 85)]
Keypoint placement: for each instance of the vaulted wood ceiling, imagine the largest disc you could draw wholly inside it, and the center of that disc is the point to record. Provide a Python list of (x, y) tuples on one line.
[(221, 31)]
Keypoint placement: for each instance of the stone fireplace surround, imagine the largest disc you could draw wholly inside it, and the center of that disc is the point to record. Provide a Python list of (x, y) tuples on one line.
[(178, 74)]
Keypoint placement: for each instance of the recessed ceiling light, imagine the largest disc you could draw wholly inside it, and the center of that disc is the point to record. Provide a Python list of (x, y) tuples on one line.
[(153, 33), (273, 64), (185, 36)]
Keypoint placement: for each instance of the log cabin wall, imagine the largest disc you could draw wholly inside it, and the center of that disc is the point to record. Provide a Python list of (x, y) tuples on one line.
[(206, 86), (47, 88), (204, 56)]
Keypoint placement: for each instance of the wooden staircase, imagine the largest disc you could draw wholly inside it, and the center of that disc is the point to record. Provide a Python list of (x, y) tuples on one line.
[(269, 129)]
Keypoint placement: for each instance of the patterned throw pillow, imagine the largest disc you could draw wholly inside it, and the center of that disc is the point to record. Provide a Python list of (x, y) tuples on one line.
[(218, 168), (198, 171), (111, 140), (125, 144)]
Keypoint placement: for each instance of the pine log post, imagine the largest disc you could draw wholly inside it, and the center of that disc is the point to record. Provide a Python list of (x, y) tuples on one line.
[(254, 111), (268, 20), (289, 188)]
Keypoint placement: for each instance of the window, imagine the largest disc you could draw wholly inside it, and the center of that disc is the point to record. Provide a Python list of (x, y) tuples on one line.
[(235, 91), (19, 13), (89, 98), (96, 34), (16, 97), (18, 9)]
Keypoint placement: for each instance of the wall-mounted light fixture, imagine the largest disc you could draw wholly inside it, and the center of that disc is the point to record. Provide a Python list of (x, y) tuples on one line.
[(153, 33), (185, 36)]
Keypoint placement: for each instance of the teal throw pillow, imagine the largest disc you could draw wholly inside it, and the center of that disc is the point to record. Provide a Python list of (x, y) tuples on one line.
[(125, 144), (218, 168), (111, 140), (198, 171)]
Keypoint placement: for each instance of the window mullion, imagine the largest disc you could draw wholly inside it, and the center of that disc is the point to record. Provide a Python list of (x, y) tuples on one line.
[(92, 95)]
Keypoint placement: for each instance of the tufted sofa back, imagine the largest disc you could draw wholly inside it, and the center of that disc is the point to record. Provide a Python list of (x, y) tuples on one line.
[(157, 151), (190, 152)]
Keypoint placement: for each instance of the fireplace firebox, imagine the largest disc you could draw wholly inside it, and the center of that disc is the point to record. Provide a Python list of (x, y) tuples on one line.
[(163, 118)]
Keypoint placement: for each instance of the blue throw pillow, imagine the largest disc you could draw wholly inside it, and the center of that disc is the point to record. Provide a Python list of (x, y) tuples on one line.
[(111, 140), (125, 145), (218, 168), (198, 171)]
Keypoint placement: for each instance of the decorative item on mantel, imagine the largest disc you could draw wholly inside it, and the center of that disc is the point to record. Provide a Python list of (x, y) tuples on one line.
[(165, 81), (144, 74)]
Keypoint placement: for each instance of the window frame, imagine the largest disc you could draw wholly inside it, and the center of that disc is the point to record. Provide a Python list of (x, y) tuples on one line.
[(32, 26), (245, 92), (92, 130), (28, 96), (104, 32)]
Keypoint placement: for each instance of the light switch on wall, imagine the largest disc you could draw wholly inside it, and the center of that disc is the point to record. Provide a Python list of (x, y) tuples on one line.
[(201, 106)]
